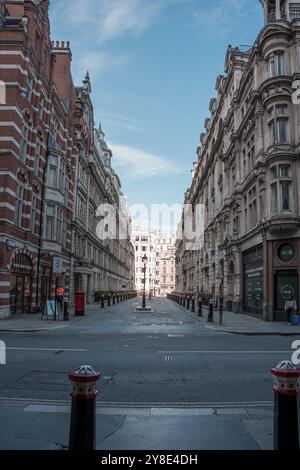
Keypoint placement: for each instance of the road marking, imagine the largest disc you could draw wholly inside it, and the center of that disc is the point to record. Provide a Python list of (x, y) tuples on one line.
[(224, 352), (46, 349), (169, 358), (176, 336)]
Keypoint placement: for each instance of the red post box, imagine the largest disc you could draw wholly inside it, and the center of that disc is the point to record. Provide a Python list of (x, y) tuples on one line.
[(79, 304)]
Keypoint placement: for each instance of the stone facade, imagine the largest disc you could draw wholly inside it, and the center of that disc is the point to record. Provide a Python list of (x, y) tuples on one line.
[(160, 266), (53, 172), (246, 176), (165, 249)]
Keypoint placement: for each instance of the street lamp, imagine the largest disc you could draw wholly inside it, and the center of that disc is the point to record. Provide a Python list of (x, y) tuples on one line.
[(144, 260), (150, 286)]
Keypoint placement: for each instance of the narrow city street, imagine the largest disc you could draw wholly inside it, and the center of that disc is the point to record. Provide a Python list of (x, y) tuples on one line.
[(166, 360)]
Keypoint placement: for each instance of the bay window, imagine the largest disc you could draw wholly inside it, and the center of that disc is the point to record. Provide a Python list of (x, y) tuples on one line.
[(281, 189), (276, 64), (57, 174), (50, 222), (55, 224), (278, 123)]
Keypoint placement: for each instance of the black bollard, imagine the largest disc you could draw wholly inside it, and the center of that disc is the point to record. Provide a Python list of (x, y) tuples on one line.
[(210, 317), (200, 307), (286, 406), (193, 310), (83, 413), (114, 299), (102, 301), (188, 303), (108, 301), (221, 310), (66, 310)]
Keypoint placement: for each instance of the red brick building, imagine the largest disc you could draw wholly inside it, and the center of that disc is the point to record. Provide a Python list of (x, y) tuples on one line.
[(46, 132)]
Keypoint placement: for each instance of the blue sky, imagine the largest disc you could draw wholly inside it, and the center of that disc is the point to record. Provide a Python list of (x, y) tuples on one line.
[(153, 66)]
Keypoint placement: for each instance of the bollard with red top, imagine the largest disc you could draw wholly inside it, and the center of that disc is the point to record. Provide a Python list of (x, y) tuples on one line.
[(79, 304), (83, 413), (286, 406)]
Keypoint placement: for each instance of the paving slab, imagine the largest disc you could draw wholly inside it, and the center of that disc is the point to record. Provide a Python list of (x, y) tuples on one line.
[(45, 426)]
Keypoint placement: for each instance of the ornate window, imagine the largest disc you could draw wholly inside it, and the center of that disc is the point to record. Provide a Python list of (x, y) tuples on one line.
[(276, 64), (281, 188), (278, 123)]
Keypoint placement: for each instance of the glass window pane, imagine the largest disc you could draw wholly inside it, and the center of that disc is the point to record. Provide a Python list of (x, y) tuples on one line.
[(282, 130), (284, 171), (274, 172), (279, 64), (281, 109), (272, 132), (274, 201), (285, 195)]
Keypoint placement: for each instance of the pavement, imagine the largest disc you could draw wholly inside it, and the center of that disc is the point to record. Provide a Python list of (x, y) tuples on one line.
[(243, 324), (40, 426)]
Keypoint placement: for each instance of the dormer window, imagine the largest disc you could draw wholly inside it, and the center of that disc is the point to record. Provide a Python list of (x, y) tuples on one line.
[(276, 64)]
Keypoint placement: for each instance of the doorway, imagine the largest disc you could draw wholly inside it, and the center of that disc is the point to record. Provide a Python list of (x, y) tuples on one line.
[(20, 294), (287, 283)]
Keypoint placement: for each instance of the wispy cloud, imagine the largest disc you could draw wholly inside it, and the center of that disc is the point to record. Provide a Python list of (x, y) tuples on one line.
[(123, 121), (97, 62), (106, 20), (137, 164), (223, 15)]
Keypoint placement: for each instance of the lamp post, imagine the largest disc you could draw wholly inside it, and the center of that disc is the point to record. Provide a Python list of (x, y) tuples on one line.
[(144, 260), (150, 286)]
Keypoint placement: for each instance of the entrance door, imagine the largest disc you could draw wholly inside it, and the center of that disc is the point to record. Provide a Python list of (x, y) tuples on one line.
[(287, 283), (20, 295)]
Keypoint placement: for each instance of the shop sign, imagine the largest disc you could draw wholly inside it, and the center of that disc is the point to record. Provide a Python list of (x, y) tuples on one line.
[(57, 265), (286, 252), (287, 292)]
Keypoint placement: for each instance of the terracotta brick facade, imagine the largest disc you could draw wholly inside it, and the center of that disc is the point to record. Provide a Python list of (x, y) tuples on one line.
[(42, 138)]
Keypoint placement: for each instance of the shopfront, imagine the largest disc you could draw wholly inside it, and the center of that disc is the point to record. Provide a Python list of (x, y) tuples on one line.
[(286, 275), (21, 284), (253, 275)]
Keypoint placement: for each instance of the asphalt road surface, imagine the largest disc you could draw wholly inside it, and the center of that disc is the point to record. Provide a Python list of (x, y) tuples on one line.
[(161, 358)]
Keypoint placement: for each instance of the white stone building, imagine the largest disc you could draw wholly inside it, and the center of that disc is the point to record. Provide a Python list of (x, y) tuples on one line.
[(160, 267), (246, 175)]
